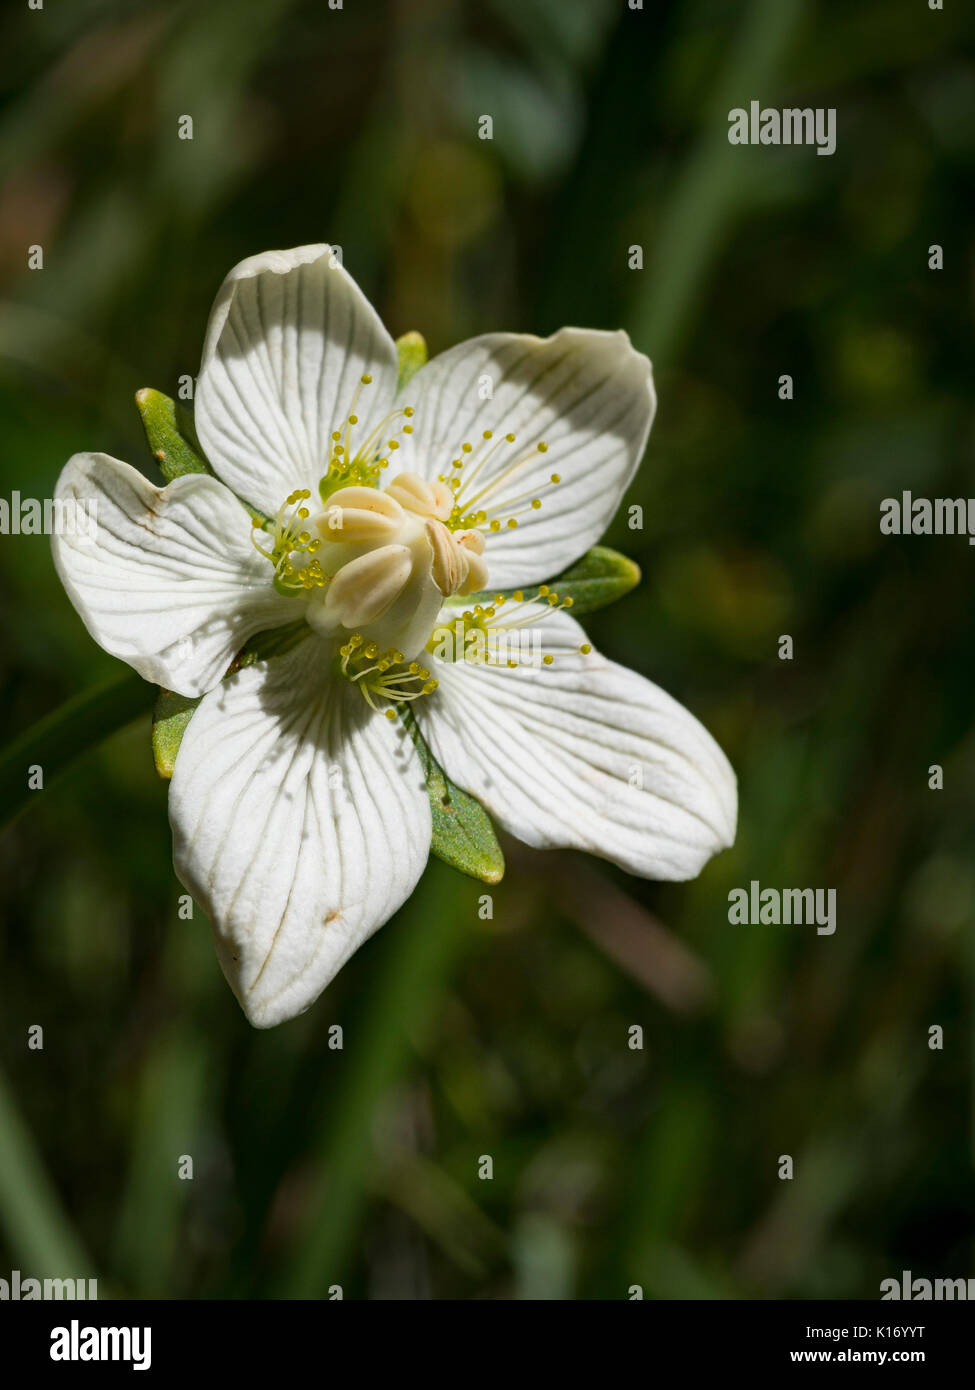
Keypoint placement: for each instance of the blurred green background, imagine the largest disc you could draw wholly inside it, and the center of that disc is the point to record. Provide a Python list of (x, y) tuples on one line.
[(612, 1167)]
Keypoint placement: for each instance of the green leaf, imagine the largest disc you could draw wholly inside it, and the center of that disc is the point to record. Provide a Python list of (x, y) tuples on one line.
[(172, 712), (167, 440), (412, 351), (463, 835), (602, 576)]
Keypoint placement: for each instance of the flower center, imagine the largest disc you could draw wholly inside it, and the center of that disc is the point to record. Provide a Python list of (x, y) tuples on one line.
[(376, 565)]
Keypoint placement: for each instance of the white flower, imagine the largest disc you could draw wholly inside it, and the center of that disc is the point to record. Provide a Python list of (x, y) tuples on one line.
[(299, 812)]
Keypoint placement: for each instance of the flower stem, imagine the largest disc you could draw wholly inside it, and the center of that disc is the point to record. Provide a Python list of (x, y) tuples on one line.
[(60, 737), (38, 1231)]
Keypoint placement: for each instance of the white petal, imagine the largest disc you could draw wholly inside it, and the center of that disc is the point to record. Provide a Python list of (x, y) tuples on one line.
[(588, 395), (169, 581), (290, 335), (553, 753), (300, 823)]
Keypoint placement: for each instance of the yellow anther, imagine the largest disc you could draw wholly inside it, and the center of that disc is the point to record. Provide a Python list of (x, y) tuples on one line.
[(390, 714), (543, 590), (585, 649), (556, 477), (542, 447), (547, 660), (366, 379)]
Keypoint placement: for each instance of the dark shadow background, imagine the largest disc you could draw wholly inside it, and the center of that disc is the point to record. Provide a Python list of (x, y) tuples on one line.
[(315, 1167)]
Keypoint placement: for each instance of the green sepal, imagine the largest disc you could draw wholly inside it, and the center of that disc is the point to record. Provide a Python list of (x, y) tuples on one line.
[(173, 712), (167, 435), (463, 835), (170, 716), (412, 352), (602, 576)]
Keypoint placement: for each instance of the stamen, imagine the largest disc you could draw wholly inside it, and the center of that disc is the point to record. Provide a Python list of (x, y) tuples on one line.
[(361, 464), (384, 677), (290, 540), (468, 513)]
